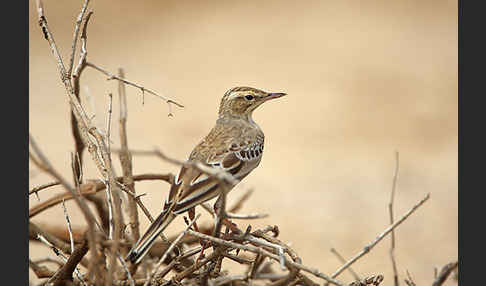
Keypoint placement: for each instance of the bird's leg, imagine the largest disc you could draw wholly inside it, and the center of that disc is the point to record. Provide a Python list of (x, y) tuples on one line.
[(192, 214), (227, 222), (204, 244)]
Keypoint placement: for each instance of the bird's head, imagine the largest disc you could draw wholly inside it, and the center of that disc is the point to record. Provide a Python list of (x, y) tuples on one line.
[(242, 101)]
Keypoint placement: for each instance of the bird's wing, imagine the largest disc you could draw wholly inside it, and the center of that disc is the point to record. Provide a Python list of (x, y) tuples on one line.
[(193, 187)]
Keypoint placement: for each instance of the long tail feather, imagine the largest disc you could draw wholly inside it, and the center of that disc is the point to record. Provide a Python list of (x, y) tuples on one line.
[(144, 244)]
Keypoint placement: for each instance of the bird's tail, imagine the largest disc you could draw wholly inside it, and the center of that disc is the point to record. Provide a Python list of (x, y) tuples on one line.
[(145, 242)]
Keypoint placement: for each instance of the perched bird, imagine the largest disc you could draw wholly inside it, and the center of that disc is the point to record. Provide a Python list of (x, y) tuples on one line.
[(235, 144)]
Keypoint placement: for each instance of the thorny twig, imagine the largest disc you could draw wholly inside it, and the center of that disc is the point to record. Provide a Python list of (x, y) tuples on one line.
[(143, 89)]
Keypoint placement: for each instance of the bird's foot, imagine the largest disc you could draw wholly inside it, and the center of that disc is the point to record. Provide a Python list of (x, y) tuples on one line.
[(204, 245), (232, 226)]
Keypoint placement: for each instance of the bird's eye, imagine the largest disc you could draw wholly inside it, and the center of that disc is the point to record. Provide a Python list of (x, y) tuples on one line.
[(249, 97)]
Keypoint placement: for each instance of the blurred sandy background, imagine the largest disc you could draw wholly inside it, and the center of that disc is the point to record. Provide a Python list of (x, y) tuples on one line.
[(364, 78)]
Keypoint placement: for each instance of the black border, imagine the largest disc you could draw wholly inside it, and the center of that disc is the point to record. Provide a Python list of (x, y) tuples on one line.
[(15, 118)]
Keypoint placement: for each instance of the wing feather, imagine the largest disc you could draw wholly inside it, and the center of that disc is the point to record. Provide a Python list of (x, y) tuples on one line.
[(194, 187)]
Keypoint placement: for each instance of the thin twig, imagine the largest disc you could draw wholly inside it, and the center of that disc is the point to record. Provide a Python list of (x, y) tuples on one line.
[(409, 281), (69, 226), (444, 273), (368, 247), (197, 265), (169, 250), (279, 248), (63, 257), (113, 195), (75, 36), (390, 208), (35, 231), (125, 267), (97, 186), (88, 215), (221, 210), (177, 260), (143, 89), (138, 201), (245, 216), (79, 144), (335, 252), (41, 187), (108, 122), (109, 203), (218, 173), (126, 161), (84, 51), (77, 168)]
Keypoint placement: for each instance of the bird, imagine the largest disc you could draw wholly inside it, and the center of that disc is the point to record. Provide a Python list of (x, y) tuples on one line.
[(234, 144)]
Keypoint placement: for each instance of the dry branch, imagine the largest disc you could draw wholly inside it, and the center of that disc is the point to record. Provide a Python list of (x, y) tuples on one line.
[(92, 187), (68, 221), (370, 280), (368, 247), (173, 244), (66, 271), (40, 271), (126, 161), (390, 208), (79, 144), (111, 76), (88, 215), (75, 37), (444, 273), (262, 251), (219, 174), (36, 190), (355, 275)]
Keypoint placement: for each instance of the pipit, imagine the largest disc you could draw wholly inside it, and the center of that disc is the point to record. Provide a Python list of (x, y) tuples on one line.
[(235, 145)]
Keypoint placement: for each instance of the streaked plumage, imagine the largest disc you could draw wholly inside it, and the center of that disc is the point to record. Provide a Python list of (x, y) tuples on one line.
[(235, 144)]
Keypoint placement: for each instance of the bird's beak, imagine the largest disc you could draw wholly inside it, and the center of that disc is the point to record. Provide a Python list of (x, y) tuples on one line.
[(273, 95)]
